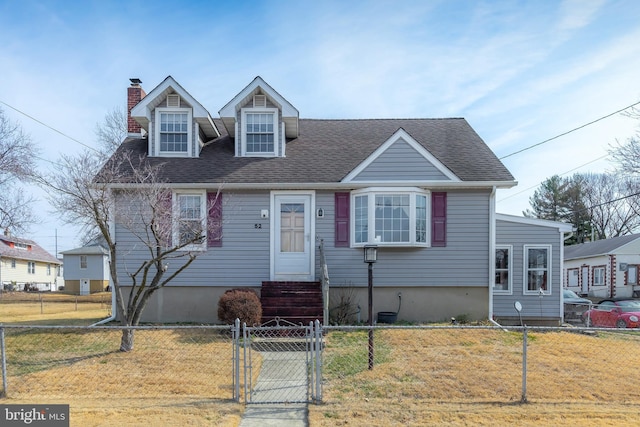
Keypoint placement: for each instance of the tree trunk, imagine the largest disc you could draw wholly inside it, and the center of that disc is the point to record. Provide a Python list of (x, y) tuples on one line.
[(126, 343)]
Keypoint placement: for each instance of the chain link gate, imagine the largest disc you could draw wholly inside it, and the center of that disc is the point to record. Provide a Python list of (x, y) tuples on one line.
[(288, 358)]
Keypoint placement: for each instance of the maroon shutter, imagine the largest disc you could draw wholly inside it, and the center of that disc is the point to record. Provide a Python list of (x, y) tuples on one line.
[(438, 219), (342, 220), (164, 218), (214, 220)]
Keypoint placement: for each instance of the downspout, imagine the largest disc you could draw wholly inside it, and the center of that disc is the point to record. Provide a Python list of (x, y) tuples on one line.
[(492, 249)]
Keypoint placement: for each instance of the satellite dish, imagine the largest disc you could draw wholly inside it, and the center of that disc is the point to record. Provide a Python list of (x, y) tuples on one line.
[(518, 306)]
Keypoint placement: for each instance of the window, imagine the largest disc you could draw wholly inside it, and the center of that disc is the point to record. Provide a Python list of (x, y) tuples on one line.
[(48, 269), (31, 267), (390, 218), (537, 269), (260, 132), (173, 130), (598, 276), (189, 229), (632, 275), (83, 261), (502, 282), (572, 277), (13, 263)]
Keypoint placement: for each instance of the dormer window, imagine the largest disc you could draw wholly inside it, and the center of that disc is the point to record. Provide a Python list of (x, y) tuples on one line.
[(260, 134), (173, 127)]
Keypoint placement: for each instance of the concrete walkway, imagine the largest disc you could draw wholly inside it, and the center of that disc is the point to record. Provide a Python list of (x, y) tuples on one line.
[(282, 378)]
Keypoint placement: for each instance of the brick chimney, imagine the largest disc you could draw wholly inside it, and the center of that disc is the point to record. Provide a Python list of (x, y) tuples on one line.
[(135, 93)]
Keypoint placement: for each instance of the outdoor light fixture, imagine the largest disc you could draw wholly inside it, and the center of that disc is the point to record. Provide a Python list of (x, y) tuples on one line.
[(370, 254), (370, 257)]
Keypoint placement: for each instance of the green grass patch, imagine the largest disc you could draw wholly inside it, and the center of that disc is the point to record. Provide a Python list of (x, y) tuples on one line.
[(347, 353)]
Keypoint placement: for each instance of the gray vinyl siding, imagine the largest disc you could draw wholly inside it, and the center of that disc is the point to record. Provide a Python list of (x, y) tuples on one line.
[(243, 259), (463, 262), (95, 268), (518, 235), (400, 162)]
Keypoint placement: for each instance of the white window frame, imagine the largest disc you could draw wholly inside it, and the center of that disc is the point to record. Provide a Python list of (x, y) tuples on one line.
[(633, 268), (83, 265), (31, 267), (509, 270), (549, 270), (276, 132), (595, 272), (371, 194), (173, 110), (573, 272), (175, 226)]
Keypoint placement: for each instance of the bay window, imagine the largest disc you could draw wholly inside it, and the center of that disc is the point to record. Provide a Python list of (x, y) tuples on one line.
[(390, 217)]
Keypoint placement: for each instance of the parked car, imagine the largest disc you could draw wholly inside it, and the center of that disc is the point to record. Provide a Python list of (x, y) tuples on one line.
[(574, 305), (614, 313)]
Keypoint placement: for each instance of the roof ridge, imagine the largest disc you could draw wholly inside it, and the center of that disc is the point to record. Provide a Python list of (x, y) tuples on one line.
[(389, 119)]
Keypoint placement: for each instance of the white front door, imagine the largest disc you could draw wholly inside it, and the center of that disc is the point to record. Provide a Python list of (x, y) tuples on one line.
[(293, 250), (84, 287), (585, 280)]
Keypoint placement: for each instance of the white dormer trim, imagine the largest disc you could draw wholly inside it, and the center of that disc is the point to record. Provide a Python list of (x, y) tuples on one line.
[(401, 134), (143, 111), (258, 86)]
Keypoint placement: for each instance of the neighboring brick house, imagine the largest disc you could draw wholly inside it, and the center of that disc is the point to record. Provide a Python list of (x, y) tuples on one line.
[(24, 265), (605, 268)]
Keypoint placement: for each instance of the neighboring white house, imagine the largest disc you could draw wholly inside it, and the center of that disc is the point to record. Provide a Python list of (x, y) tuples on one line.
[(87, 269), (604, 268), (24, 265)]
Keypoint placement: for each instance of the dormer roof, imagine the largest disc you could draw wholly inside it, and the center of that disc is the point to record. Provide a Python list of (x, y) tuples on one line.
[(143, 111), (290, 114)]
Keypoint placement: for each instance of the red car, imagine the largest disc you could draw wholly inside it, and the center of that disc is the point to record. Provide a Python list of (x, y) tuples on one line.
[(614, 313)]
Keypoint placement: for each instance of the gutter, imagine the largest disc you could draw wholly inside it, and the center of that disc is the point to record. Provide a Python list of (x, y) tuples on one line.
[(113, 309)]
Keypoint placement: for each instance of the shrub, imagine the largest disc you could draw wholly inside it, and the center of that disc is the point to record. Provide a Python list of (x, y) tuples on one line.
[(242, 304)]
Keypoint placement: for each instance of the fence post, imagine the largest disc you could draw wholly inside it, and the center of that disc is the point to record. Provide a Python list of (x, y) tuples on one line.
[(236, 360), (3, 392), (523, 399), (247, 364), (318, 358)]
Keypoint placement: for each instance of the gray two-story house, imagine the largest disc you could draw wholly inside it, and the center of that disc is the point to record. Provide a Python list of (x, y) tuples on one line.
[(301, 198)]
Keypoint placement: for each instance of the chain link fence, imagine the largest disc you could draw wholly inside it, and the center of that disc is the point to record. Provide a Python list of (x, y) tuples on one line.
[(421, 363), (24, 304)]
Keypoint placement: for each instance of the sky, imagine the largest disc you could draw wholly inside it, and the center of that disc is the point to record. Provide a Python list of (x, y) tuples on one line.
[(520, 72)]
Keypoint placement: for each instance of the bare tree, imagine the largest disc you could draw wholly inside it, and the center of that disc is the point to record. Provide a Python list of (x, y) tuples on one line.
[(127, 193), (17, 153), (112, 131), (610, 204)]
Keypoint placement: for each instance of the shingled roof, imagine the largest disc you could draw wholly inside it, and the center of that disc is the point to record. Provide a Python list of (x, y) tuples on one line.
[(33, 252), (599, 247), (327, 150)]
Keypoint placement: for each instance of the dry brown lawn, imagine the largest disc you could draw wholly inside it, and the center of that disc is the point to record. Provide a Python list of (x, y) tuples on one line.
[(53, 308), (473, 377), (422, 377)]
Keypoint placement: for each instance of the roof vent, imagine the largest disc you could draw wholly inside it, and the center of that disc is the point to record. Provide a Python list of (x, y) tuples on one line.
[(173, 100), (259, 101)]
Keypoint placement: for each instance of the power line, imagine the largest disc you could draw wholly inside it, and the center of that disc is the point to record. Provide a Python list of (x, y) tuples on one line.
[(570, 131), (50, 127)]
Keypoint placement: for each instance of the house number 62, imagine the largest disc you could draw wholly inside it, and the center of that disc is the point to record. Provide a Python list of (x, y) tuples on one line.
[(257, 225)]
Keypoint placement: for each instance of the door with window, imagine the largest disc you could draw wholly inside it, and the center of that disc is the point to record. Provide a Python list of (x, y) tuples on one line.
[(293, 251)]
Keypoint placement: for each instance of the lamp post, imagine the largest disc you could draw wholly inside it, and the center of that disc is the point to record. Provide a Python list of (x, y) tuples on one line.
[(370, 257)]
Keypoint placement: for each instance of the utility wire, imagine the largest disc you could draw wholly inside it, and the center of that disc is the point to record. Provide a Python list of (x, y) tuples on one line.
[(570, 131), (47, 126)]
